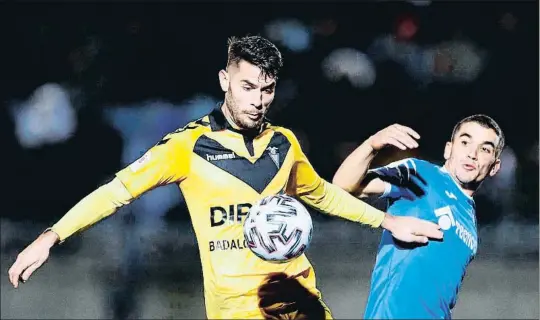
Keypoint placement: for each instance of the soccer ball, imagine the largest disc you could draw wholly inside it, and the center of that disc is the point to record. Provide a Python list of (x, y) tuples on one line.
[(278, 228)]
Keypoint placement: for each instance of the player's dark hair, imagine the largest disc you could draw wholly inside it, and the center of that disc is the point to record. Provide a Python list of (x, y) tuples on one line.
[(486, 122), (258, 51)]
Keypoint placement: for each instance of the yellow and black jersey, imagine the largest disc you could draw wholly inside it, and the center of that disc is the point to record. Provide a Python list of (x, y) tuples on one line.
[(221, 172)]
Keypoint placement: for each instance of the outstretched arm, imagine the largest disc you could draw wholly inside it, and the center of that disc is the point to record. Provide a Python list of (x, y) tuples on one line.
[(307, 185), (98, 205), (353, 175), (154, 169)]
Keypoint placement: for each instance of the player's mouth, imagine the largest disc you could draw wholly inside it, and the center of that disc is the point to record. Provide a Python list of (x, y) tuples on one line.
[(255, 116), (469, 167)]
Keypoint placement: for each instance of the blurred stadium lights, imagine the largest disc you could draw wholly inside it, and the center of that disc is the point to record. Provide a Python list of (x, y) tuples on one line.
[(419, 3), (466, 60), (406, 27), (508, 21), (153, 119), (290, 33), (48, 117), (451, 61), (325, 28), (350, 64)]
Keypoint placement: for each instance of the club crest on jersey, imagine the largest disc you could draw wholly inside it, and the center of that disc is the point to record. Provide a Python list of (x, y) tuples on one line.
[(450, 195), (274, 155), (135, 166)]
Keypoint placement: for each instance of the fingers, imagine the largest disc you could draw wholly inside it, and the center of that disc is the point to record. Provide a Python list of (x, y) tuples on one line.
[(403, 135), (396, 143), (430, 230), (412, 229), (23, 268), (15, 272), (408, 130), (419, 239), (28, 272), (427, 229)]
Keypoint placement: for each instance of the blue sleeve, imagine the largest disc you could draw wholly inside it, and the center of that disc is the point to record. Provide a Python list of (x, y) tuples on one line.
[(397, 176)]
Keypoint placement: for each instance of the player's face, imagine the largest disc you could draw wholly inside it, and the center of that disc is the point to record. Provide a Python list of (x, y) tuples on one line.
[(471, 157), (248, 94)]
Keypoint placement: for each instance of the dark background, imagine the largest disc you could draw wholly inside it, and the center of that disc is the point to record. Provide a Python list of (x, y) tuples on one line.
[(171, 52)]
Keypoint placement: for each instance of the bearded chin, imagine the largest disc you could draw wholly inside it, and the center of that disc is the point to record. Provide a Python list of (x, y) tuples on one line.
[(236, 116)]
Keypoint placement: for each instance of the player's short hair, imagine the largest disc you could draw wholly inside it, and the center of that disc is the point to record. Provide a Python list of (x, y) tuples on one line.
[(486, 122), (257, 51)]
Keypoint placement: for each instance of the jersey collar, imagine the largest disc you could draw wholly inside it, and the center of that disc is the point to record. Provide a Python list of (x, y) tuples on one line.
[(469, 198), (218, 122)]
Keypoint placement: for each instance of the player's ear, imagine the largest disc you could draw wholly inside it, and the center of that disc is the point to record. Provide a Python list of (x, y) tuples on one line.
[(224, 80), (495, 168), (447, 150)]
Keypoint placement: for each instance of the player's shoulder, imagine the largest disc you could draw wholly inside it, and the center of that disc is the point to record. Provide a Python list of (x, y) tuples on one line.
[(190, 132), (414, 164), (288, 133), (424, 167)]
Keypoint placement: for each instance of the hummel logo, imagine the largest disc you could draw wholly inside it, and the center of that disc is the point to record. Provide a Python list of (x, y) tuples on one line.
[(450, 195), (215, 157)]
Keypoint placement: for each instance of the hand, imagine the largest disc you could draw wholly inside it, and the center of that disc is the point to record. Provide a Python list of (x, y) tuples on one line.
[(397, 135), (411, 229), (31, 258)]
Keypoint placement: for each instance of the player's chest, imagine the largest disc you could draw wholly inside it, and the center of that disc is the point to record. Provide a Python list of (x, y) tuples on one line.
[(456, 218), (229, 163)]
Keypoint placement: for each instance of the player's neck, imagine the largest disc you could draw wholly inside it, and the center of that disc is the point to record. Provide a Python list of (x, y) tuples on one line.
[(228, 117), (468, 189)]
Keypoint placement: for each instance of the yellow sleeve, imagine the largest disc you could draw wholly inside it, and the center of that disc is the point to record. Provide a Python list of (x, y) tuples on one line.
[(309, 187), (166, 162), (96, 206)]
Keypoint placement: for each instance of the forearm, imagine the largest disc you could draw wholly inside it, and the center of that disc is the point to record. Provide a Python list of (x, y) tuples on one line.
[(352, 171), (98, 205), (332, 200)]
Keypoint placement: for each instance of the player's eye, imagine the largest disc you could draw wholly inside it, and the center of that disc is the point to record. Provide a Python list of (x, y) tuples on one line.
[(464, 143), (486, 150), (246, 88), (269, 90)]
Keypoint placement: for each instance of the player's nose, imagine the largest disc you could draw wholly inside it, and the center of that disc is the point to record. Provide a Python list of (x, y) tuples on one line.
[(472, 153)]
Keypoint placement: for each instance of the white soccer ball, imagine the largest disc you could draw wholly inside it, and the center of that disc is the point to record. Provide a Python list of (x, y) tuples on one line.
[(278, 228)]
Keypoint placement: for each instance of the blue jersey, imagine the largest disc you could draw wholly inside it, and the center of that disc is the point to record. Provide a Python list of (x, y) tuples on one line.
[(422, 281)]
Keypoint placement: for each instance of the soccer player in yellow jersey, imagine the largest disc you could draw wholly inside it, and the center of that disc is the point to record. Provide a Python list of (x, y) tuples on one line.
[(223, 163)]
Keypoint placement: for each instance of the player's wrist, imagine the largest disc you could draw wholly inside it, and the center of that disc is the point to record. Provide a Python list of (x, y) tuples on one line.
[(50, 237), (388, 222), (370, 146)]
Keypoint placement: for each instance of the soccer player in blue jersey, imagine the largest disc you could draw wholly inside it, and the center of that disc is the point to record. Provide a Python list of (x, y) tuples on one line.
[(419, 282)]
